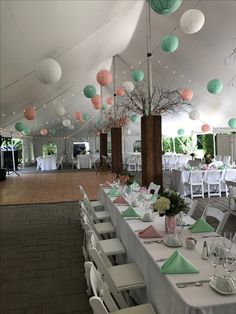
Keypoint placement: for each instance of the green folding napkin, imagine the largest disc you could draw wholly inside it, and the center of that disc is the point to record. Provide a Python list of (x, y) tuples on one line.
[(130, 212), (178, 264), (201, 226), (114, 192)]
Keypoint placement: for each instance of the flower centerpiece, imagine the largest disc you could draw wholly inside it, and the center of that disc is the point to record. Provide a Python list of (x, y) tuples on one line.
[(126, 177), (169, 204)]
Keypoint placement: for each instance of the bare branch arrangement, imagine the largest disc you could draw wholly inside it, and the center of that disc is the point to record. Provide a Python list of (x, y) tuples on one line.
[(162, 101), (231, 58)]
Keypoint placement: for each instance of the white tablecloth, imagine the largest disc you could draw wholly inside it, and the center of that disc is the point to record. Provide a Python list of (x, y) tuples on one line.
[(179, 177), (47, 163), (83, 161), (161, 290)]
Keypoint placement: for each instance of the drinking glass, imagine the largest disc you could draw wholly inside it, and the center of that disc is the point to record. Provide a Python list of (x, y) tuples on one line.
[(228, 240), (216, 254)]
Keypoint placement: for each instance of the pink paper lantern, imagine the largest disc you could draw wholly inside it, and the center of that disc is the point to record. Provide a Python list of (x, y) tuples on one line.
[(186, 94), (120, 91), (110, 100), (43, 132), (30, 113), (78, 115), (97, 106), (206, 127), (97, 100), (104, 77)]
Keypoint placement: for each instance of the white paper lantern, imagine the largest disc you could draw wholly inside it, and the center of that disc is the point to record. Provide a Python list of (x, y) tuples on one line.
[(128, 132), (48, 71), (194, 114), (71, 127), (192, 21), (128, 86), (60, 111), (66, 122)]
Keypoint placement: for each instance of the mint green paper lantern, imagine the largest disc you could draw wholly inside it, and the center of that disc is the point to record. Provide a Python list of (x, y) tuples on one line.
[(232, 123), (85, 117), (138, 75), (134, 118), (215, 86), (90, 91), (104, 107), (180, 132), (26, 131), (19, 126), (169, 43), (165, 7)]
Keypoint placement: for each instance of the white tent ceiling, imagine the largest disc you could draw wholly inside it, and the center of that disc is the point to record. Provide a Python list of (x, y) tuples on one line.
[(84, 35)]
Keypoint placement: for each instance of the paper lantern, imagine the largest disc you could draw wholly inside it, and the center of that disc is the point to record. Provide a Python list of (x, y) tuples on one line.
[(194, 114), (186, 94), (169, 43), (19, 126), (26, 131), (120, 91), (60, 111), (104, 107), (30, 113), (192, 21), (90, 91), (180, 132), (48, 71), (98, 106), (66, 122), (138, 75), (104, 77), (85, 117), (165, 7), (134, 118), (109, 100), (78, 115), (128, 132), (43, 131), (232, 123), (215, 86), (128, 86), (71, 127), (205, 127), (96, 100)]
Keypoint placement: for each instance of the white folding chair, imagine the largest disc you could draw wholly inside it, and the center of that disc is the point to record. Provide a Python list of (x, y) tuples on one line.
[(218, 157), (192, 204), (226, 160), (218, 215), (74, 162), (195, 181), (139, 163), (103, 303), (132, 164), (119, 278), (153, 187), (60, 163), (172, 162), (213, 180), (234, 238), (39, 163), (97, 205), (98, 216)]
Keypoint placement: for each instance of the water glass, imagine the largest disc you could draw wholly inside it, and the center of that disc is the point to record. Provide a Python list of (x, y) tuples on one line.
[(217, 253), (228, 240)]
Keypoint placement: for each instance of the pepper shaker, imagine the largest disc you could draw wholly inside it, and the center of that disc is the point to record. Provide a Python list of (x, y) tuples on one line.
[(205, 254)]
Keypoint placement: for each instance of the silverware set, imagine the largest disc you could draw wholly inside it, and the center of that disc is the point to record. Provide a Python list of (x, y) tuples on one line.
[(197, 283), (153, 241)]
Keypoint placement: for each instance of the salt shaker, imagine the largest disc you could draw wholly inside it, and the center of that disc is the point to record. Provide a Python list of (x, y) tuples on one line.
[(205, 254)]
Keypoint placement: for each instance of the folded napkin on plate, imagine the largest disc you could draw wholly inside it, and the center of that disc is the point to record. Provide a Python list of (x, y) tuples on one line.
[(178, 264), (201, 226), (120, 200), (150, 232), (114, 192), (107, 185), (130, 212)]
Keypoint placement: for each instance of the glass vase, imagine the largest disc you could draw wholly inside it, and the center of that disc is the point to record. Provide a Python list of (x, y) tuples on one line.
[(129, 189), (170, 224)]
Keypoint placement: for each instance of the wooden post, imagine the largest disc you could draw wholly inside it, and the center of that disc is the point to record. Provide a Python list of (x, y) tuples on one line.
[(103, 145), (116, 149), (151, 150)]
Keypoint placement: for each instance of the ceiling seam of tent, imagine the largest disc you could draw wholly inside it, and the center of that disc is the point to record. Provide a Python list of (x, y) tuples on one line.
[(66, 51)]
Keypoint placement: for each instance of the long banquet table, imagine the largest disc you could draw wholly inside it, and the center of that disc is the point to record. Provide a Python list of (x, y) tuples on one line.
[(161, 290), (179, 177)]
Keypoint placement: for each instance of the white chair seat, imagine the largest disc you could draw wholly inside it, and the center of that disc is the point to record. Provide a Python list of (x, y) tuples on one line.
[(97, 205), (139, 309), (104, 227), (126, 276), (104, 214), (112, 247)]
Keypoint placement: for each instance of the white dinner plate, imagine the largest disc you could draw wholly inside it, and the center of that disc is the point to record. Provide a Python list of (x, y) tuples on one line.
[(171, 245), (213, 285)]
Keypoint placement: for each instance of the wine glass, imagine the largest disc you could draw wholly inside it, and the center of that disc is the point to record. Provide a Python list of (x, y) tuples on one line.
[(216, 254), (228, 240)]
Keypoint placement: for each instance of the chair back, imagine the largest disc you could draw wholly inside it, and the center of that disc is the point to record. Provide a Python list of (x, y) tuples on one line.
[(90, 209), (226, 160), (153, 187), (192, 207), (82, 191), (214, 176), (93, 242), (218, 157), (217, 214), (196, 177), (102, 299)]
